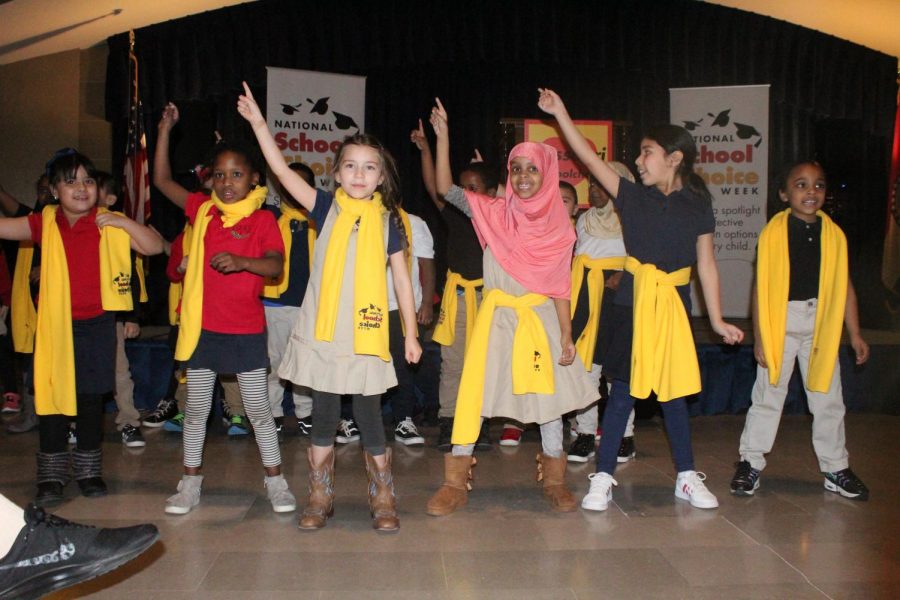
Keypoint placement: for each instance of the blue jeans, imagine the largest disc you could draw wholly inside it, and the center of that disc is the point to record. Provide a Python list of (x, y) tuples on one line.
[(615, 418)]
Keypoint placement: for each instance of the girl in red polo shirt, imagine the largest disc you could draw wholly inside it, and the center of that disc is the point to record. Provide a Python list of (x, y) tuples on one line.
[(233, 247), (85, 275)]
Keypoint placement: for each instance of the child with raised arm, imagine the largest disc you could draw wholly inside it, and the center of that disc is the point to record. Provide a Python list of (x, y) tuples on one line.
[(667, 224), (802, 297), (520, 360), (340, 342), (85, 277)]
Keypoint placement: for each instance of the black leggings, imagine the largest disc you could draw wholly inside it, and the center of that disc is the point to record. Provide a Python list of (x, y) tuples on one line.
[(366, 411), (54, 429)]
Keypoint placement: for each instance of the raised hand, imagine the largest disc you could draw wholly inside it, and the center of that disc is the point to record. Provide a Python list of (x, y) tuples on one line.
[(417, 137), (550, 102), (439, 118), (248, 108), (476, 158), (169, 117)]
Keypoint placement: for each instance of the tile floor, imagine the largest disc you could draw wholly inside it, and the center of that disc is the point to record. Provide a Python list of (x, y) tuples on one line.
[(792, 540)]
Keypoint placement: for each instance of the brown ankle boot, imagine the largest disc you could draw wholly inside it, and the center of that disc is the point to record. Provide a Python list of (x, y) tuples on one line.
[(382, 501), (552, 471), (320, 504), (455, 491)]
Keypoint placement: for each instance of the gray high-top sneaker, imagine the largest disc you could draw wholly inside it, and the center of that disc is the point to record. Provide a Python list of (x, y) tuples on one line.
[(279, 495), (188, 495)]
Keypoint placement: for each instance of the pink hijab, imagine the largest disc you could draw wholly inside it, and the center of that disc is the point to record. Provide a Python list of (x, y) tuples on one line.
[(531, 239)]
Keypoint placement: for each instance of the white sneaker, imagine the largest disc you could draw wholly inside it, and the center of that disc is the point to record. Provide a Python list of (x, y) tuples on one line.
[(188, 495), (689, 486), (279, 495), (600, 494)]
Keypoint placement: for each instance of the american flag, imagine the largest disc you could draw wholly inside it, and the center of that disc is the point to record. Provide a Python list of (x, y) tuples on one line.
[(137, 175)]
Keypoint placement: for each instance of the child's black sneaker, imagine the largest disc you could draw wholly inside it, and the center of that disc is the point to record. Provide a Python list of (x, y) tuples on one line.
[(304, 426), (347, 432), (847, 484), (165, 410), (746, 479), (407, 434), (626, 450), (132, 438), (582, 448), (51, 553), (444, 434)]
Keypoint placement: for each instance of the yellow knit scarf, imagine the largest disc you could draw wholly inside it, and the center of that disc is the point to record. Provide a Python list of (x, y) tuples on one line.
[(370, 301), (276, 287), (191, 320), (531, 363), (445, 331), (176, 288), (663, 356), (773, 277), (587, 341), (23, 312), (54, 349)]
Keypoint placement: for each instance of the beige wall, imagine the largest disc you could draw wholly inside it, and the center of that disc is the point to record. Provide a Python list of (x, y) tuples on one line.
[(47, 103)]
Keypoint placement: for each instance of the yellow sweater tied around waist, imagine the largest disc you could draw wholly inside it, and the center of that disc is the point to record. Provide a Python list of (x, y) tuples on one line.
[(192, 298), (370, 299), (531, 363), (587, 341), (54, 349), (663, 356), (445, 330), (773, 277), (276, 287)]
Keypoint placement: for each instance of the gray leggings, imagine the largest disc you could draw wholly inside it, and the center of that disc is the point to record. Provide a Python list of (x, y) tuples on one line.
[(551, 440), (366, 411)]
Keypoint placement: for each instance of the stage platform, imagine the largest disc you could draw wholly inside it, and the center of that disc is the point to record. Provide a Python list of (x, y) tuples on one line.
[(792, 539)]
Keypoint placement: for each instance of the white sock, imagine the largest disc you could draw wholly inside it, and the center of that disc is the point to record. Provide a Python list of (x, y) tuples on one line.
[(12, 520)]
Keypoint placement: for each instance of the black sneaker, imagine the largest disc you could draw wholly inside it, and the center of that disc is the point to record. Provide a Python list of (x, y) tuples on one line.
[(132, 438), (279, 424), (407, 434), (347, 432), (582, 448), (626, 450), (51, 553), (443, 442), (847, 484), (165, 410), (304, 426), (484, 436), (746, 480)]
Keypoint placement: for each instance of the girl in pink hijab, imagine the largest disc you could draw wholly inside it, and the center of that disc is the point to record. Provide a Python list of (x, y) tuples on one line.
[(519, 361)]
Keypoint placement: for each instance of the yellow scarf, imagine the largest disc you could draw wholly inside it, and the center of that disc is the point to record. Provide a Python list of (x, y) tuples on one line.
[(191, 320), (773, 280), (276, 287), (663, 356), (54, 349), (176, 288), (445, 331), (370, 331), (140, 270), (531, 363), (587, 341), (24, 315)]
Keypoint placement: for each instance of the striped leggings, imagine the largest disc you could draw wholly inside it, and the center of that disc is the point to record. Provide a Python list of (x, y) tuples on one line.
[(254, 392)]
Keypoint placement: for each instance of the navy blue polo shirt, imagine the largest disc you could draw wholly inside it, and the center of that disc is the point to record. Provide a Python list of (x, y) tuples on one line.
[(298, 275), (661, 230)]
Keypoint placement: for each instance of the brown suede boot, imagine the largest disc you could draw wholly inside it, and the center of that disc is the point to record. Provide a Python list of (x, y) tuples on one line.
[(382, 501), (320, 504), (455, 491), (552, 471)]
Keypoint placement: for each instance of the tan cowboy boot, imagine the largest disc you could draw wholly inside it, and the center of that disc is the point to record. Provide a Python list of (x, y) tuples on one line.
[(382, 501), (552, 471), (320, 504), (455, 491)]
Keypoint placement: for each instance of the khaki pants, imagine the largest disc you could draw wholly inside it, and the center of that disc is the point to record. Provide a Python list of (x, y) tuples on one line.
[(828, 410), (128, 414), (279, 323)]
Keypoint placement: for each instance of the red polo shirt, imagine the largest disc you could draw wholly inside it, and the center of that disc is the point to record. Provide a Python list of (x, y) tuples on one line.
[(231, 302), (82, 245)]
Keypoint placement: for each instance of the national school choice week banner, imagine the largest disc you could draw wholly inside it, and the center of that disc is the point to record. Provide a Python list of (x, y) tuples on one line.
[(599, 135), (310, 113), (731, 128)]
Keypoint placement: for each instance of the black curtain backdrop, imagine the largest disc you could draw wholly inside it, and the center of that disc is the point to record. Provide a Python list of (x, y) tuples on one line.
[(485, 60)]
